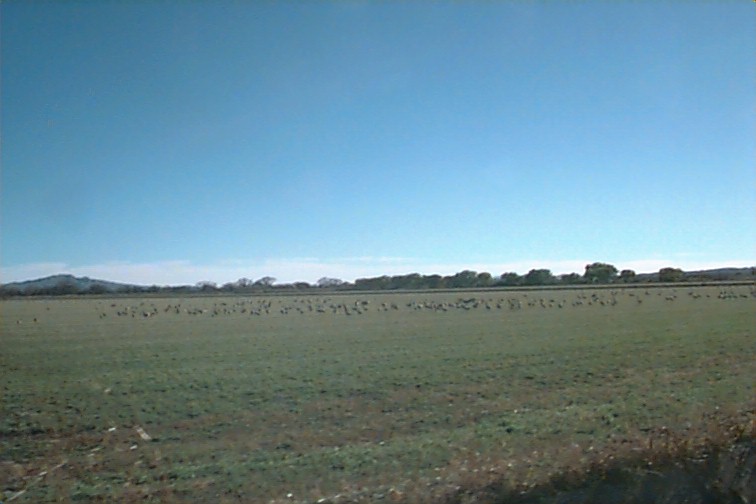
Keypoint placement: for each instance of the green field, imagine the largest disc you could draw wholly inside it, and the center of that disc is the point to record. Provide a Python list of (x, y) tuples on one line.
[(401, 397)]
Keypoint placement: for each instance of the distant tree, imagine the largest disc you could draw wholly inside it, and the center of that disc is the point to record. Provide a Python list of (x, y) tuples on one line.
[(397, 282), (375, 283), (462, 279), (539, 277), (329, 282), (97, 288), (301, 285), (600, 273), (207, 286), (244, 283), (409, 281), (434, 281), (671, 275), (627, 276), (265, 281), (570, 279), (415, 281), (510, 279), (484, 279)]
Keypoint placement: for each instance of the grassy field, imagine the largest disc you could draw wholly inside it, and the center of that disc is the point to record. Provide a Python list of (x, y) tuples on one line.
[(346, 397)]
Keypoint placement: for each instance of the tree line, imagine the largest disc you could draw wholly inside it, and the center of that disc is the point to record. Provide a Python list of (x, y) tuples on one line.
[(597, 273)]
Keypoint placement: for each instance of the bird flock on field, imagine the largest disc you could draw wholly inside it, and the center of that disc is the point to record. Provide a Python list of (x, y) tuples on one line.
[(352, 304), (347, 305)]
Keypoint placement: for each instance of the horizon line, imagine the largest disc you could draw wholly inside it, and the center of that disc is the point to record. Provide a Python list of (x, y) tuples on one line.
[(289, 271)]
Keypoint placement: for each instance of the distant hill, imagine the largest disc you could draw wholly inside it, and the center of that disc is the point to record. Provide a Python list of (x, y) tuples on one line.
[(69, 284), (712, 275), (723, 274)]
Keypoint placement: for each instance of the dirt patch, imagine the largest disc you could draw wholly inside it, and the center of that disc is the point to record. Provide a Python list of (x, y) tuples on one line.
[(719, 476), (718, 472)]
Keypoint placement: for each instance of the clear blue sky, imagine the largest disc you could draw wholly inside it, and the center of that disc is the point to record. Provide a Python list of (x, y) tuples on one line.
[(173, 142)]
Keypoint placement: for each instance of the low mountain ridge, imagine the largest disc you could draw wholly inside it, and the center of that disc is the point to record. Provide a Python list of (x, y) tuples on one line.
[(710, 275), (78, 284)]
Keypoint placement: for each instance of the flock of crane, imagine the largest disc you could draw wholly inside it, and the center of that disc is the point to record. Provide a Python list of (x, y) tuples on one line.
[(355, 304)]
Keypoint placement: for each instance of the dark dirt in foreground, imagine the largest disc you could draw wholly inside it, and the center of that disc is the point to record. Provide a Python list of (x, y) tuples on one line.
[(714, 476)]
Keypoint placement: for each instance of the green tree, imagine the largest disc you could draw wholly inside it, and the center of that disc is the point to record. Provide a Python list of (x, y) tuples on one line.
[(510, 279), (434, 281), (375, 283), (207, 286), (243, 283), (570, 279), (627, 275), (265, 281), (539, 277), (462, 279), (484, 279), (411, 281), (600, 273), (330, 282), (671, 275)]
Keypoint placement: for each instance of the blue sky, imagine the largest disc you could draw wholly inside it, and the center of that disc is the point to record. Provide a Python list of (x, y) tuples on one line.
[(174, 142)]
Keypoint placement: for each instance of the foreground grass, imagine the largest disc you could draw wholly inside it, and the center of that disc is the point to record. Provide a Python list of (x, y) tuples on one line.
[(402, 403)]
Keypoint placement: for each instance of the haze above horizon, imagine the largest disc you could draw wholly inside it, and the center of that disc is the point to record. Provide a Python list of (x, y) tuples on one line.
[(171, 143)]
